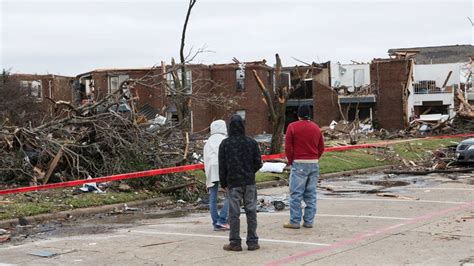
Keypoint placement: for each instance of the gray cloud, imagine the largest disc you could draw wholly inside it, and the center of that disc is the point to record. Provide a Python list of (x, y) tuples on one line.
[(71, 37)]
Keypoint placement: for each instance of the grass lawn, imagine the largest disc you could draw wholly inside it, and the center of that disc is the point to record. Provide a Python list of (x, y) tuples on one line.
[(332, 162), (55, 200), (421, 149), (416, 150)]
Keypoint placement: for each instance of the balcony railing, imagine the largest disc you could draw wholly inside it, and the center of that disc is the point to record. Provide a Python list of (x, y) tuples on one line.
[(432, 90), (429, 87)]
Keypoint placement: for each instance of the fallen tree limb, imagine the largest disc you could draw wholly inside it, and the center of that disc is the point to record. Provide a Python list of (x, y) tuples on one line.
[(173, 188)]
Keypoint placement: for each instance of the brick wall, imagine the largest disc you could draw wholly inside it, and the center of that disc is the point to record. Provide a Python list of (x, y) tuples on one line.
[(250, 99), (202, 88), (325, 107), (62, 89), (53, 86), (390, 77)]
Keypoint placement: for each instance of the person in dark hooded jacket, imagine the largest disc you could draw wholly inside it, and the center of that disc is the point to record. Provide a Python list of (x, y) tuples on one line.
[(239, 160)]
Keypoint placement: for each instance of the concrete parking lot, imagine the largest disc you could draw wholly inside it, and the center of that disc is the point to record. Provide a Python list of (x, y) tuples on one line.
[(430, 222)]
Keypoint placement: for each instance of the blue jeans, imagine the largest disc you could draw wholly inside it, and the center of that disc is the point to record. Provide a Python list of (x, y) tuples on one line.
[(217, 218), (303, 180)]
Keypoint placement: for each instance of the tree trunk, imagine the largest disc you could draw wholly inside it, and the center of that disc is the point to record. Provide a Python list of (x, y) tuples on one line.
[(278, 130), (184, 112), (276, 106)]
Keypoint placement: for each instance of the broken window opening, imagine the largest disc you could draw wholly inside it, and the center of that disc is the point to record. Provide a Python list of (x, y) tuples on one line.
[(303, 89), (240, 77), (115, 81), (241, 113), (358, 79), (34, 88), (172, 90), (364, 113)]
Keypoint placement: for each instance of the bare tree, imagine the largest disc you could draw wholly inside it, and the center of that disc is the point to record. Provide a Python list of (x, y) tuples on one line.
[(276, 102), (182, 102)]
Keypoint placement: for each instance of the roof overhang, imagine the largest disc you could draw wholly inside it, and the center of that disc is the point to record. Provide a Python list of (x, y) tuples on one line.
[(356, 99)]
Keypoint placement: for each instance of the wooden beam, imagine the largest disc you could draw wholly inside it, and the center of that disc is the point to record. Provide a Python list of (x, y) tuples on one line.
[(447, 79), (53, 165)]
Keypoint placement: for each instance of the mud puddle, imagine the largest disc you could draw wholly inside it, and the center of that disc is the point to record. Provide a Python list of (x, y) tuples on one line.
[(374, 183)]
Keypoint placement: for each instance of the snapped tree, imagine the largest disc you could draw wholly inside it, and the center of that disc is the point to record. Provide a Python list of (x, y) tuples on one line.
[(276, 102)]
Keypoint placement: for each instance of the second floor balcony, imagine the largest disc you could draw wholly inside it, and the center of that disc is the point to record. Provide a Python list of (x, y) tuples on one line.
[(429, 87)]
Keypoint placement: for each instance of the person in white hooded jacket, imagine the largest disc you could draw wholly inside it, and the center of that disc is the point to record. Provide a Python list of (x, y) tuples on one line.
[(211, 167)]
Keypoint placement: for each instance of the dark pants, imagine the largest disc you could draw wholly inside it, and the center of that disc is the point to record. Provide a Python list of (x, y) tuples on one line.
[(249, 195)]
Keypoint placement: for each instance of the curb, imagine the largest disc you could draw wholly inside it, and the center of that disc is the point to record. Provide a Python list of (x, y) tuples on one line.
[(82, 212)]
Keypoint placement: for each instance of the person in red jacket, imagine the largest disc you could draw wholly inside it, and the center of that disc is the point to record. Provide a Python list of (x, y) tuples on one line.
[(304, 145)]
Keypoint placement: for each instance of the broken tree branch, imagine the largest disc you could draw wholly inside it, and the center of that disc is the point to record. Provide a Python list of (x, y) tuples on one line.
[(266, 94)]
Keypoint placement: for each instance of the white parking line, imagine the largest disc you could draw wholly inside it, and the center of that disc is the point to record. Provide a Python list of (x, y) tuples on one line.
[(364, 216), (395, 200), (224, 237), (439, 188), (342, 216)]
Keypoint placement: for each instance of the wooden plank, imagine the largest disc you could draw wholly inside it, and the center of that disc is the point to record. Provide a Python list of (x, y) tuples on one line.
[(447, 79), (53, 165)]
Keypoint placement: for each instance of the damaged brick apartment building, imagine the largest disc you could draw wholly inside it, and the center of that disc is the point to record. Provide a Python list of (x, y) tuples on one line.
[(44, 87), (388, 93), (412, 82), (233, 81)]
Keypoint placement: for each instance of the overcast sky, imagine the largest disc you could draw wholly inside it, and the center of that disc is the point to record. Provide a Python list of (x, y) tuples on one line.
[(72, 37)]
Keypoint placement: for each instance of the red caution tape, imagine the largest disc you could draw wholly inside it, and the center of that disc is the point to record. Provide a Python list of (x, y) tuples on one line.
[(185, 168), (105, 178)]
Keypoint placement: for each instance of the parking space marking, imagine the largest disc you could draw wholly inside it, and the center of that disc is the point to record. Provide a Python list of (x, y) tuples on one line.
[(225, 237), (395, 200), (439, 188), (375, 232), (341, 216)]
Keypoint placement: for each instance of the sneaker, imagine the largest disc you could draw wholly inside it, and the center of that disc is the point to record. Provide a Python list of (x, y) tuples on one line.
[(253, 247), (219, 228), (307, 225), (291, 226), (230, 247), (225, 226)]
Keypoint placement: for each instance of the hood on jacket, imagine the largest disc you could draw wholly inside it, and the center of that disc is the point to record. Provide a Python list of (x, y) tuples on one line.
[(218, 127), (236, 126)]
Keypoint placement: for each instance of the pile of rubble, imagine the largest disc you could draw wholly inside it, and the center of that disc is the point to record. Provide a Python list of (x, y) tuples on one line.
[(462, 122), (440, 161), (352, 131), (90, 141)]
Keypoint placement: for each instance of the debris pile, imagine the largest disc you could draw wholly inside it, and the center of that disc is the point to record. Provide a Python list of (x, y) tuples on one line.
[(435, 123), (440, 161), (462, 122), (352, 131), (465, 110), (90, 140)]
